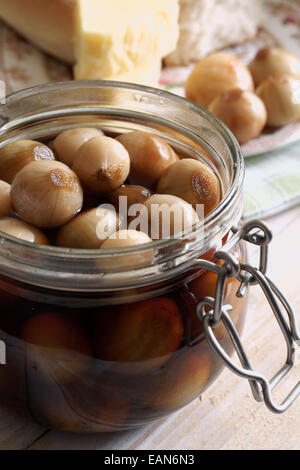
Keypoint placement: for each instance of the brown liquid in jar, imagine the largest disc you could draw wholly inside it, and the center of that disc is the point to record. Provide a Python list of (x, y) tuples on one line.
[(78, 370)]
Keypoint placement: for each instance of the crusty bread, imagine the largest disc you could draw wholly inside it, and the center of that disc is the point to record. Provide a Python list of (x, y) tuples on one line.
[(209, 25)]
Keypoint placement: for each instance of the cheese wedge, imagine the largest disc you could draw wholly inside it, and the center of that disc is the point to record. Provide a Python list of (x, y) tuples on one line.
[(105, 39), (147, 75), (49, 24), (122, 40)]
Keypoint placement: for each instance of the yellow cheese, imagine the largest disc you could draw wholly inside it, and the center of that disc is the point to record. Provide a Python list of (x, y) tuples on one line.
[(124, 39), (47, 23), (146, 75)]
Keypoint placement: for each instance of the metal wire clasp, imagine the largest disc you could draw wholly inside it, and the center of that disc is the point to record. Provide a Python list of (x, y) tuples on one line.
[(257, 233)]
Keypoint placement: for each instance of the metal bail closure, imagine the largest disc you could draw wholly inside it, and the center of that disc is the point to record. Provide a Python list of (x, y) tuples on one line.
[(249, 275)]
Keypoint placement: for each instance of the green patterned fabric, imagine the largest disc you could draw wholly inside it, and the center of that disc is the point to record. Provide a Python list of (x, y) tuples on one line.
[(272, 182)]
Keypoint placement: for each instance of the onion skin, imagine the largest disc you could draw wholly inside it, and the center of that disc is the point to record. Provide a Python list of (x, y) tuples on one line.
[(242, 112), (193, 182), (46, 194), (84, 231), (149, 155), (181, 382), (168, 215), (140, 337), (281, 96), (16, 155), (134, 194), (58, 348), (214, 75), (102, 164), (5, 199), (270, 61), (67, 143), (19, 229), (125, 238)]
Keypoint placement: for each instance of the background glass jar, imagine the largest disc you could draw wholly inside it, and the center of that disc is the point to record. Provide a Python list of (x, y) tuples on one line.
[(99, 340)]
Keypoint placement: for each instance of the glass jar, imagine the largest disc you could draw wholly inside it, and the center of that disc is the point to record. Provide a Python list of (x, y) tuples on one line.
[(97, 340)]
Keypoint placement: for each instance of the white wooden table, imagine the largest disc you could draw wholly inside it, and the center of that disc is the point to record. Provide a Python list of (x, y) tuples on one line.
[(227, 417)]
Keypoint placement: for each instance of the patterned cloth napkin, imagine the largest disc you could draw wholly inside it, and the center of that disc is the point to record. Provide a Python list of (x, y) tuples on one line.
[(272, 182)]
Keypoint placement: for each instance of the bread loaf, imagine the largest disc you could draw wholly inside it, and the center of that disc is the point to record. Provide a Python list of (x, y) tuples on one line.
[(209, 25)]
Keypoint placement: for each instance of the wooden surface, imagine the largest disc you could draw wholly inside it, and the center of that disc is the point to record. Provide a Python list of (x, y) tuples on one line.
[(226, 417)]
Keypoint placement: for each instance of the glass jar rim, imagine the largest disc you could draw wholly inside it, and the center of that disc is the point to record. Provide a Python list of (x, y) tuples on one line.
[(9, 244)]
